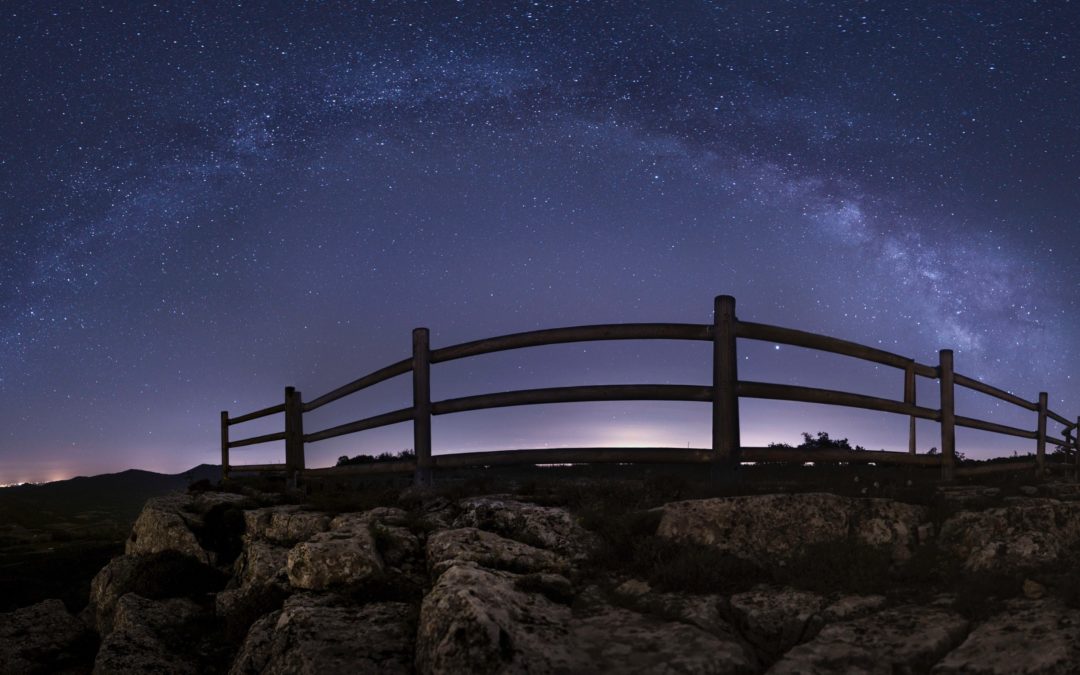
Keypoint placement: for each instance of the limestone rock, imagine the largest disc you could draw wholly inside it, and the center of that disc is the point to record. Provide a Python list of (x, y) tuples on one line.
[(159, 575), (262, 563), (702, 611), (1033, 637), (542, 526), (317, 636), (852, 607), (888, 524), (334, 558), (776, 619), (114, 580), (480, 621), (907, 639), (166, 524), (285, 525), (768, 529), (43, 638), (469, 545), (1025, 534), (149, 637)]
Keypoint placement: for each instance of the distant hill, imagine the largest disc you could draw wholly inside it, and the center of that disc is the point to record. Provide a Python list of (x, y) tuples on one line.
[(117, 495)]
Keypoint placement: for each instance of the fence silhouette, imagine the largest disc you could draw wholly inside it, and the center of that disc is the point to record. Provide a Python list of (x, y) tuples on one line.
[(724, 394)]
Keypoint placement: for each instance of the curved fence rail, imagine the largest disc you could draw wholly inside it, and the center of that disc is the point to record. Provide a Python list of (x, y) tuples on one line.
[(724, 394)]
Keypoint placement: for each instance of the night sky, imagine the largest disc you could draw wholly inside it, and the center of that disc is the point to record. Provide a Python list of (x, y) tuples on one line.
[(202, 203)]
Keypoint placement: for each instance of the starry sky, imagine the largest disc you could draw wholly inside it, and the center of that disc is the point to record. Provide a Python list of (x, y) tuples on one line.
[(202, 203)]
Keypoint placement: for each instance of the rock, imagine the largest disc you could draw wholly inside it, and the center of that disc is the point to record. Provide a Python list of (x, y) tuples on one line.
[(150, 636), (852, 607), (469, 545), (702, 611), (956, 497), (546, 527), (1029, 490), (887, 524), (262, 563), (204, 502), (908, 639), (286, 525), (776, 619), (621, 641), (165, 524), (260, 584), (1033, 590), (1024, 535), (159, 575), (334, 558), (769, 529), (1033, 637), (479, 621), (114, 580), (317, 636), (43, 638)]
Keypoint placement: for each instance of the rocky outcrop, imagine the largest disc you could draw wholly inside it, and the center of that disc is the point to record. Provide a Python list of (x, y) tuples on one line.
[(498, 584), (43, 638), (332, 559), (481, 621), (776, 619), (283, 525), (908, 639), (320, 635), (166, 574), (149, 636), (1023, 535), (770, 529), (470, 546), (545, 527), (165, 524), (1030, 638)]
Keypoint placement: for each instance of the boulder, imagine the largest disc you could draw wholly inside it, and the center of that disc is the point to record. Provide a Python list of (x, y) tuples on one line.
[(334, 558), (907, 639), (259, 585), (769, 529), (468, 545), (43, 638), (546, 527), (155, 576), (317, 635), (167, 524), (150, 636), (286, 525), (1023, 535), (482, 621), (776, 619), (1033, 637), (703, 611)]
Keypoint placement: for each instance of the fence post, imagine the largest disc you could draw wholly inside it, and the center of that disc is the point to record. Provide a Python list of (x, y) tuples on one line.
[(725, 420), (948, 416), (294, 435), (909, 398), (421, 367), (224, 445), (1040, 447), (1076, 447)]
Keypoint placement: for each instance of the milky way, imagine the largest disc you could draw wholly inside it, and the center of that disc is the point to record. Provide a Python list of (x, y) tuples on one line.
[(201, 204)]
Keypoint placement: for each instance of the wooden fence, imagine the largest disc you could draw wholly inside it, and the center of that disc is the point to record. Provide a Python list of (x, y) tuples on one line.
[(724, 394)]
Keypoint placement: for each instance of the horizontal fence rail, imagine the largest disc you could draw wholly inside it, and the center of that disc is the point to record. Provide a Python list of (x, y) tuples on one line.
[(723, 393)]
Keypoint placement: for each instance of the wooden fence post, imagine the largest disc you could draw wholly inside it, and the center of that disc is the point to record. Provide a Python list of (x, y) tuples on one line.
[(948, 416), (909, 398), (725, 419), (421, 367), (1040, 442), (224, 445), (294, 435), (1076, 447)]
